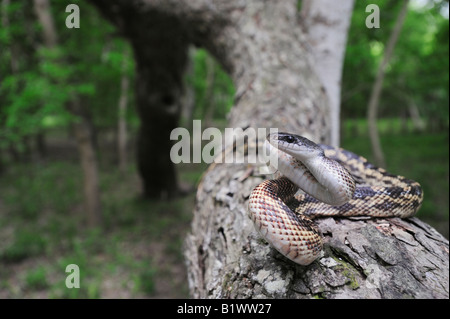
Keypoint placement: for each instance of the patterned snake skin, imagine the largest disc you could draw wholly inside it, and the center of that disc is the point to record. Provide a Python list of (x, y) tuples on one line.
[(335, 182)]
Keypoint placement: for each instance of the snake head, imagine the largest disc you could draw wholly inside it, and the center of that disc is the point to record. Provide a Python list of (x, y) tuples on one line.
[(298, 146)]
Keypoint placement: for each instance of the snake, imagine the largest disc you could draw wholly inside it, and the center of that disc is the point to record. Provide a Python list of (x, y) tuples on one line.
[(317, 180)]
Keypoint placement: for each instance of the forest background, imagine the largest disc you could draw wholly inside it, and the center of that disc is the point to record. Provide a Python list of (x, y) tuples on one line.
[(134, 247)]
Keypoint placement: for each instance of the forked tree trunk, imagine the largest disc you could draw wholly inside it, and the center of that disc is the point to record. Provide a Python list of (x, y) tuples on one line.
[(261, 45)]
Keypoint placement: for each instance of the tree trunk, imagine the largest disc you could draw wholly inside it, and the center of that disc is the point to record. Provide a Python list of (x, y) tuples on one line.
[(378, 86), (122, 111), (83, 129), (160, 45), (88, 158), (261, 45), (188, 96), (13, 48), (209, 105), (326, 23), (44, 15), (14, 64), (418, 122)]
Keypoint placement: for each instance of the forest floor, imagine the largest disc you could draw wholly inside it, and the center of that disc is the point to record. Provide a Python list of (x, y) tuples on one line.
[(136, 254), (138, 251)]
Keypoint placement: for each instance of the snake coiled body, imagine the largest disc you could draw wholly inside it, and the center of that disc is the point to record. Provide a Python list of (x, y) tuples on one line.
[(335, 182)]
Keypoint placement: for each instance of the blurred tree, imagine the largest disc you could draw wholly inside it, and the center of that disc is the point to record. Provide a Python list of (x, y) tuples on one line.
[(209, 94), (82, 127), (213, 89), (122, 109), (416, 72), (71, 82), (423, 64), (27, 91), (160, 49), (377, 87)]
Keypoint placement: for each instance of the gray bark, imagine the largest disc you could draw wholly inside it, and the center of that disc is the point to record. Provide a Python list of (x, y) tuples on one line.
[(326, 23), (261, 45)]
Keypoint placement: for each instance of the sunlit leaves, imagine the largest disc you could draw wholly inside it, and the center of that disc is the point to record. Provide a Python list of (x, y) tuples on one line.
[(85, 64)]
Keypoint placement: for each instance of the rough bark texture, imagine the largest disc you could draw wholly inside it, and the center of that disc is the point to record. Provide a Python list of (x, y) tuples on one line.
[(260, 44), (367, 258)]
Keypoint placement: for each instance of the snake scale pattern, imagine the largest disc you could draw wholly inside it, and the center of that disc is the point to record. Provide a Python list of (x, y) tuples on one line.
[(335, 182)]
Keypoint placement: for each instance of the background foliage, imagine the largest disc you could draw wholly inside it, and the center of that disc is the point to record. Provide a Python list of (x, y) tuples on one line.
[(418, 71)]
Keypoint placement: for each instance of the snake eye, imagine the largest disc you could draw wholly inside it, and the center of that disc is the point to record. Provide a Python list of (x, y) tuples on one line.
[(289, 139)]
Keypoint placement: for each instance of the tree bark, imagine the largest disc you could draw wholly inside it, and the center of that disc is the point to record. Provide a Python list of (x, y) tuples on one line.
[(326, 22), (261, 45), (378, 86)]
